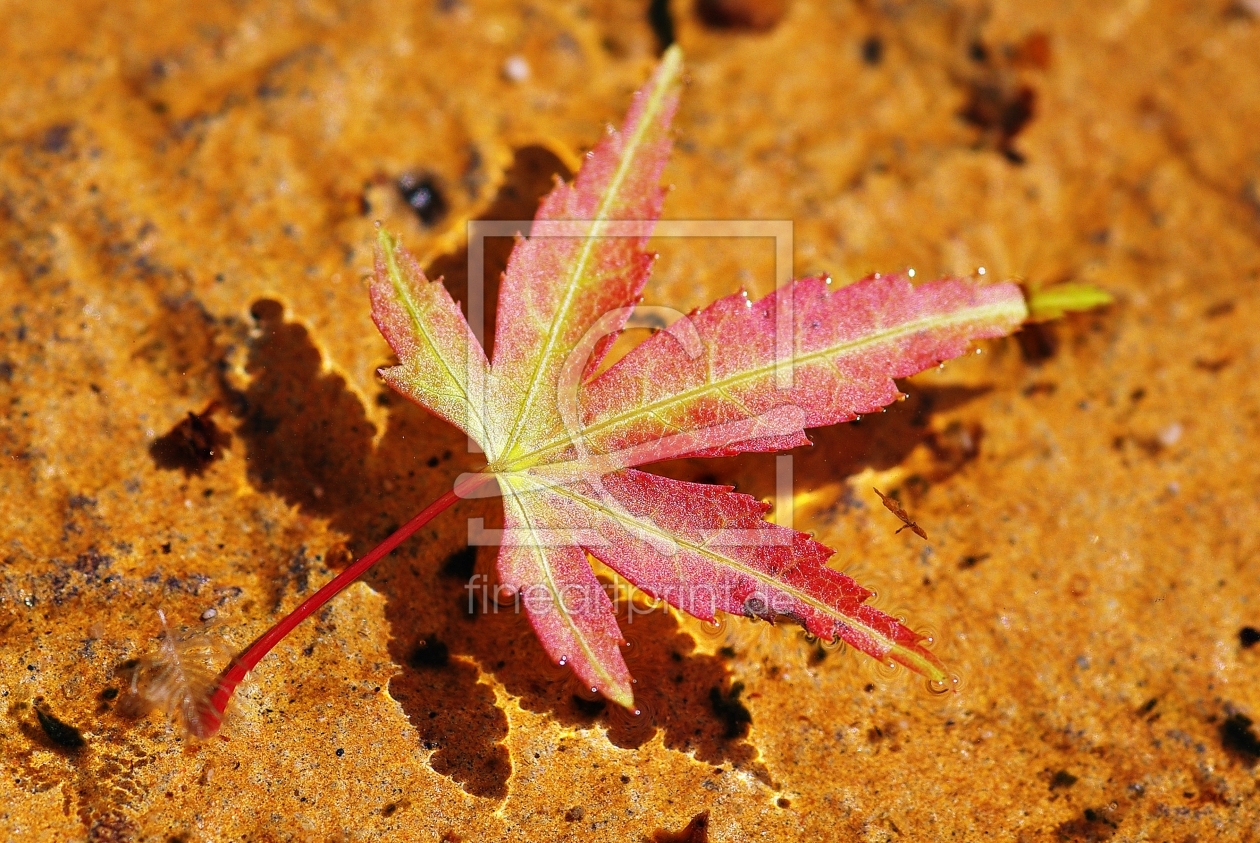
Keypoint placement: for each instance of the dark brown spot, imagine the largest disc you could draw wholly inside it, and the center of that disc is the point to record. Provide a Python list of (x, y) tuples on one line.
[(1037, 342), (1214, 365), (749, 15), (575, 814), (662, 23), (1040, 388), (1093, 826), (429, 652), (972, 560), (192, 444), (1222, 308), (696, 831), (589, 707), (1062, 779), (55, 138), (1248, 636), (873, 50), (60, 733), (956, 445), (1239, 739), (754, 607), (459, 564), (727, 708), (1001, 113)]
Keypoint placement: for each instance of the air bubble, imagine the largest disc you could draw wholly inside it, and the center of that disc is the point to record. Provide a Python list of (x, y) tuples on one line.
[(516, 69), (715, 628), (928, 635), (564, 660), (886, 671), (632, 726)]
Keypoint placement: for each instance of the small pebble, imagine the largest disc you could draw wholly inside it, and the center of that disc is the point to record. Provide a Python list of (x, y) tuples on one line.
[(516, 69), (209, 614), (1170, 435)]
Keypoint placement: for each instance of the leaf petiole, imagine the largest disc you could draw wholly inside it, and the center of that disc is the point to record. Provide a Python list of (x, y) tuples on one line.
[(235, 672)]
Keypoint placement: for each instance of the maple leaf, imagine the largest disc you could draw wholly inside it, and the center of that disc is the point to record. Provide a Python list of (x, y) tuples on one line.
[(562, 439), (563, 445)]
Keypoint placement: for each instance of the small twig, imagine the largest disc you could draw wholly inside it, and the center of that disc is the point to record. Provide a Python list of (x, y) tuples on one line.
[(894, 506)]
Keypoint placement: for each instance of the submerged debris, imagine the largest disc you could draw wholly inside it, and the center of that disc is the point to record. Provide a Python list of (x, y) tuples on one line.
[(894, 506), (59, 732), (180, 679), (192, 444)]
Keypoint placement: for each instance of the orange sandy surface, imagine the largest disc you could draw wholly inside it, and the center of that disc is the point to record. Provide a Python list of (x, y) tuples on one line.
[(187, 199)]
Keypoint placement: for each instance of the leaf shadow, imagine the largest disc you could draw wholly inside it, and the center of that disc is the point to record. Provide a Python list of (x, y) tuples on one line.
[(879, 441), (686, 695)]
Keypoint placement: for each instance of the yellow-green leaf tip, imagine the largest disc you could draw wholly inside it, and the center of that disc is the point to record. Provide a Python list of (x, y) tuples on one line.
[(1053, 302)]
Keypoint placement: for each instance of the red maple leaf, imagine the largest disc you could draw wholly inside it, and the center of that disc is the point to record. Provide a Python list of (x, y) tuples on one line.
[(562, 443)]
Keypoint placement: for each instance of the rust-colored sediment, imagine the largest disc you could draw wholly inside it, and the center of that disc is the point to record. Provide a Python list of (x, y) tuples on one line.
[(187, 199)]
